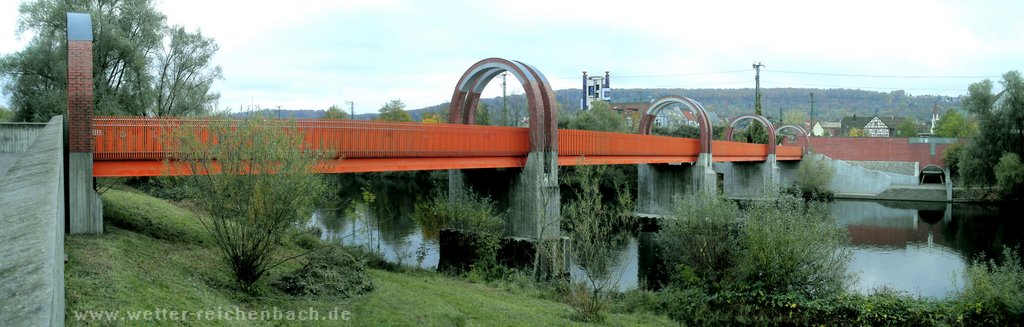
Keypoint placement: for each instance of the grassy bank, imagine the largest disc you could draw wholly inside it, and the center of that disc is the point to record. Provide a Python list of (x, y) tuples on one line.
[(155, 256)]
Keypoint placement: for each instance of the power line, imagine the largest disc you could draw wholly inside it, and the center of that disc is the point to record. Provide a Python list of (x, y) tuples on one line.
[(666, 75), (886, 76), (869, 87)]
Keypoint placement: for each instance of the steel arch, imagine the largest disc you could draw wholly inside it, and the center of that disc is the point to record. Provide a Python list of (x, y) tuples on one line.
[(767, 126), (798, 129), (542, 105), (694, 107)]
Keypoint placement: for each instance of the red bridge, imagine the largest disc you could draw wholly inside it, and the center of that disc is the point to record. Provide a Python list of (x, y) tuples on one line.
[(137, 146)]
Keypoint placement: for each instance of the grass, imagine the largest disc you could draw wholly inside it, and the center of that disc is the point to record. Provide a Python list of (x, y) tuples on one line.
[(154, 255)]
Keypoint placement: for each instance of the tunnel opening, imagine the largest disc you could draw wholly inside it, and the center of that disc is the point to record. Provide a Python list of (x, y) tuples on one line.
[(932, 174)]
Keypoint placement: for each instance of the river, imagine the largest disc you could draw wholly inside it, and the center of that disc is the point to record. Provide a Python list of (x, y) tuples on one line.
[(912, 247)]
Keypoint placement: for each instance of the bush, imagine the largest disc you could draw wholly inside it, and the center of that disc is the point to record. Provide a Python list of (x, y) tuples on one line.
[(1010, 176), (814, 175), (259, 191), (777, 246), (993, 293), (463, 210), (595, 228), (793, 246), (951, 158), (327, 272), (165, 187), (702, 241), (479, 228)]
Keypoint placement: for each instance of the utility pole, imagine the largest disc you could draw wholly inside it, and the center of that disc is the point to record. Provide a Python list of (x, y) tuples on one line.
[(812, 106), (278, 112), (757, 88), (352, 109), (504, 104)]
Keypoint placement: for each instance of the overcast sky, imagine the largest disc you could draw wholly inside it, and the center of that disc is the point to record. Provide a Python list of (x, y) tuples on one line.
[(303, 54)]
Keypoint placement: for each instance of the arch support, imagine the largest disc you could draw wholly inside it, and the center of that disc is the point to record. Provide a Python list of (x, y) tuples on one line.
[(799, 130), (764, 122), (532, 193), (694, 107), (751, 179), (659, 185)]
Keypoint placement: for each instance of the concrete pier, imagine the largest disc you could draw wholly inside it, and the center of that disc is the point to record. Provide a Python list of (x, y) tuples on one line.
[(750, 179), (530, 194), (659, 185)]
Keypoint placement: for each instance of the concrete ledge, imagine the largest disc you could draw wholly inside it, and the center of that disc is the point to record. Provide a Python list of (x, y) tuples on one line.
[(32, 236)]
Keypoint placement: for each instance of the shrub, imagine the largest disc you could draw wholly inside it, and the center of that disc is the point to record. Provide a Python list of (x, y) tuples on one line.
[(951, 158), (478, 224), (327, 272), (793, 246), (701, 241), (588, 305), (775, 246), (994, 292), (462, 210), (1010, 176), (595, 228), (264, 190), (814, 175)]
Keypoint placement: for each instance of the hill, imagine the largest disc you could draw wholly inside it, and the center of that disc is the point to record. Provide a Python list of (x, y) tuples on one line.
[(829, 104)]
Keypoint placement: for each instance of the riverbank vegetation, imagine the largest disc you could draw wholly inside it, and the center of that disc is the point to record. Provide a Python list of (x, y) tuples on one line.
[(154, 254), (999, 137)]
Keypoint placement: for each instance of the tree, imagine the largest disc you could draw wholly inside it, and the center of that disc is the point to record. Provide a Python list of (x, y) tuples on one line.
[(855, 132), (907, 128), (431, 119), (184, 74), (129, 61), (595, 227), (1010, 176), (1000, 127), (483, 115), (335, 112), (600, 117), (394, 110), (5, 115), (260, 189), (795, 117), (953, 124)]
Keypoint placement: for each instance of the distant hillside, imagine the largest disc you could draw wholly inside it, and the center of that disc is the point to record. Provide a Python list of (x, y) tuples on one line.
[(829, 104), (300, 113)]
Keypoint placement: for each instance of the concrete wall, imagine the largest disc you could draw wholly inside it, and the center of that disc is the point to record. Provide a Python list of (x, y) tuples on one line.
[(17, 137), (856, 180), (895, 167), (32, 236), (85, 208)]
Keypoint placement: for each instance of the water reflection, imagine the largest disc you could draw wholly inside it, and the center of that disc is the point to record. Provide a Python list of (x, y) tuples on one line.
[(376, 212), (918, 247), (906, 246)]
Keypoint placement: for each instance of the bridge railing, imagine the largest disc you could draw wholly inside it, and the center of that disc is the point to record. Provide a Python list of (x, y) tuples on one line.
[(147, 138)]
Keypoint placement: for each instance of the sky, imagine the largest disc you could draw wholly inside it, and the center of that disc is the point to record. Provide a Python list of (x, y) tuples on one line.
[(305, 54)]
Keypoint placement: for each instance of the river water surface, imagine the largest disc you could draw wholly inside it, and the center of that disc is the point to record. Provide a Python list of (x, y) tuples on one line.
[(919, 248)]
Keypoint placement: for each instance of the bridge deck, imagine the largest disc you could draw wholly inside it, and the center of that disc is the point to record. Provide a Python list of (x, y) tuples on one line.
[(131, 146)]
